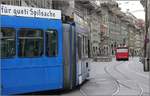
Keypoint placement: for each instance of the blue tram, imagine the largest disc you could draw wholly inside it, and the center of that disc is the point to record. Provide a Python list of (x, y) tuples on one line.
[(39, 52)]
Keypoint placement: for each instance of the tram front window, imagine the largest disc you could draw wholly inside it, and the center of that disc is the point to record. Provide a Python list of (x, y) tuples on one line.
[(30, 42), (51, 43), (7, 44)]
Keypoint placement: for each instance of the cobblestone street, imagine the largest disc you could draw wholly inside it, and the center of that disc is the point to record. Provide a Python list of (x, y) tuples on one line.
[(115, 78)]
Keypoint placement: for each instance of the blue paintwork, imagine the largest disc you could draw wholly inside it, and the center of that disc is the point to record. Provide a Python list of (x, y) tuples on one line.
[(21, 75)]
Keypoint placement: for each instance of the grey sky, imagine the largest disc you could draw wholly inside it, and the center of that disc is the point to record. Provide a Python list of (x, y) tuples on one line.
[(134, 7)]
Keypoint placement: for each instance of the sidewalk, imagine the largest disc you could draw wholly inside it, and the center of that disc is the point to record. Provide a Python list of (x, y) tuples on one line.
[(137, 67)]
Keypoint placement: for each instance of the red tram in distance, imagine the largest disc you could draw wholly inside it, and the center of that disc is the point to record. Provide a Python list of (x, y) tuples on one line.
[(122, 53)]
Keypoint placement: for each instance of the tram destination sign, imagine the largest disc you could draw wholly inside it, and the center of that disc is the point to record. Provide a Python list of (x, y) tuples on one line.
[(29, 12)]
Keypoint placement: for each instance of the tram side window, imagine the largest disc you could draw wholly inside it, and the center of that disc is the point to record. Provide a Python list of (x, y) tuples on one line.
[(30, 42), (86, 45), (51, 43), (79, 47), (83, 45), (8, 42)]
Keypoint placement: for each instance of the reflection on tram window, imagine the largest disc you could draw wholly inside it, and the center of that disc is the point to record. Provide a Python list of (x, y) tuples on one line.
[(8, 48), (30, 42), (51, 43)]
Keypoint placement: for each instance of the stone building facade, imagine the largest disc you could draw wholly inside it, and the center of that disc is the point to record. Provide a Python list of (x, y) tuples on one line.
[(131, 39), (31, 3), (136, 35), (118, 28), (124, 32), (108, 26), (95, 34), (104, 28)]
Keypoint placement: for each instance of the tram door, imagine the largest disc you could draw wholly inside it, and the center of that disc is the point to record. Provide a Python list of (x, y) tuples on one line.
[(82, 57), (69, 52)]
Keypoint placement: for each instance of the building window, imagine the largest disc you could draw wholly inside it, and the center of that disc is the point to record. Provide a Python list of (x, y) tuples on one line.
[(30, 42), (94, 49), (8, 42), (111, 45), (51, 43)]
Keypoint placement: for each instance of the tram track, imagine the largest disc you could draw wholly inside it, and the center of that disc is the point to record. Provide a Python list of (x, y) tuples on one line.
[(83, 93), (140, 76), (126, 79), (109, 78), (117, 83), (114, 93), (121, 81)]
